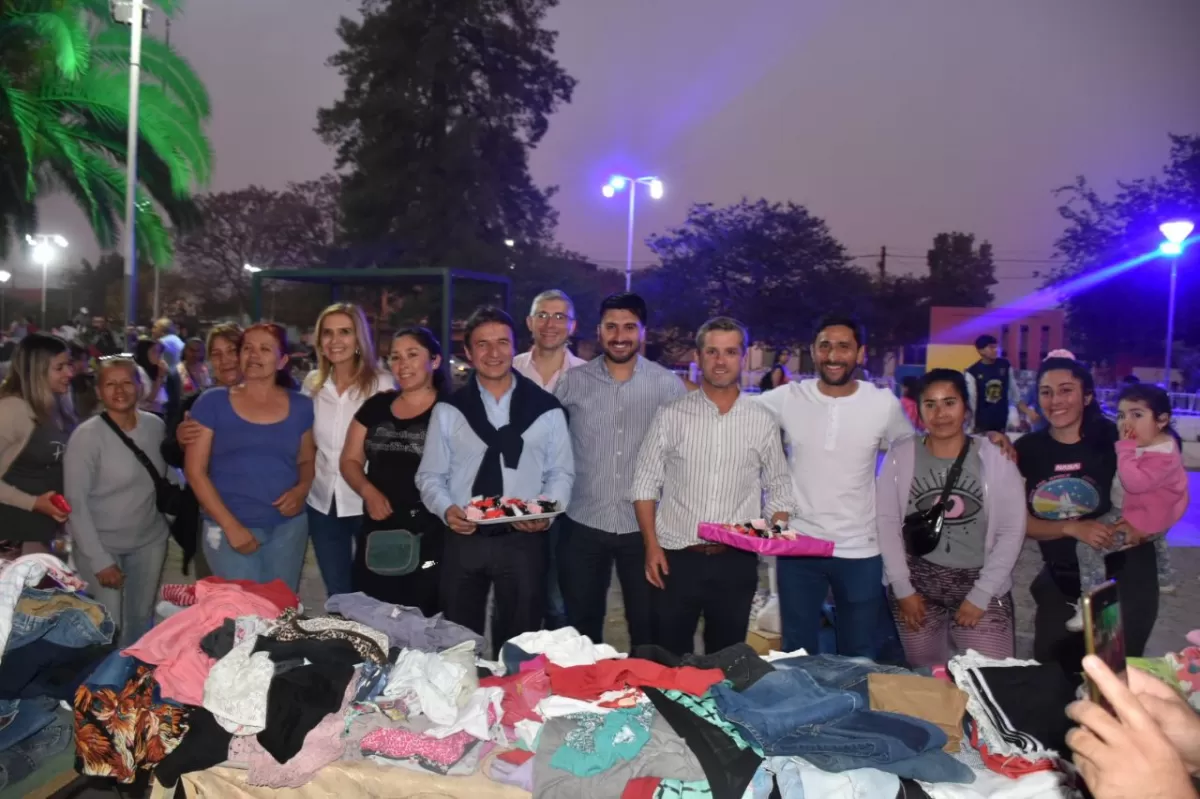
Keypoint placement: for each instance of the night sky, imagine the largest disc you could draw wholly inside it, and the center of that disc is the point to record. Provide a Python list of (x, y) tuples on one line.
[(892, 120)]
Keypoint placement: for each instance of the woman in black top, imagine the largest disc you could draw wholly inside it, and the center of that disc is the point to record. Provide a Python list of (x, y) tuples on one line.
[(379, 461), (1069, 469)]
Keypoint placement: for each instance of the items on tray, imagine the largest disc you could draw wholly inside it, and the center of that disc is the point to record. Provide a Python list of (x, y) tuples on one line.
[(485, 508), (764, 538)]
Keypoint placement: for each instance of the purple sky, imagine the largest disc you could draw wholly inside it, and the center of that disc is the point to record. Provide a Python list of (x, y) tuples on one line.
[(892, 120)]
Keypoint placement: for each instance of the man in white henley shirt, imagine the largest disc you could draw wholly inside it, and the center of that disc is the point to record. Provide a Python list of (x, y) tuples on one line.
[(836, 426)]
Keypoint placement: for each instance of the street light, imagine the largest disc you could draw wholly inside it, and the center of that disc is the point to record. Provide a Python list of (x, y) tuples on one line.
[(252, 269), (619, 183), (1175, 232), (133, 14), (4, 278), (45, 247)]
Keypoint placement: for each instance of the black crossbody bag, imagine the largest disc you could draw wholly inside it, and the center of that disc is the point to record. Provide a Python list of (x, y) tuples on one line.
[(168, 497), (923, 529)]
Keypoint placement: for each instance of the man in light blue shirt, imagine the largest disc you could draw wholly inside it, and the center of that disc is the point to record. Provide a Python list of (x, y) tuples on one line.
[(611, 402), (499, 435)]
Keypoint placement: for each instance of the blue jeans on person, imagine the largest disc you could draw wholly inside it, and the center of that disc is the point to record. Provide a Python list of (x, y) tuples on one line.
[(280, 553), (788, 714), (857, 585), (132, 605), (333, 545), (70, 626)]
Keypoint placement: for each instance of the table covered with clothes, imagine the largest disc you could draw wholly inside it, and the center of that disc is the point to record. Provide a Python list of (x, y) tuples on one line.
[(51, 638), (239, 693)]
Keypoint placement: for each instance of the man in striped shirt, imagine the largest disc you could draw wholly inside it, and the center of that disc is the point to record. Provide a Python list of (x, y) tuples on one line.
[(610, 403), (709, 457)]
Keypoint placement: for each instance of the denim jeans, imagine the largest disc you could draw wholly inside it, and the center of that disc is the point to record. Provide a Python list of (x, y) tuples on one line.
[(131, 605), (333, 545), (789, 714), (69, 626), (556, 608), (799, 779), (21, 718), (26, 757), (857, 584), (280, 553), (838, 673)]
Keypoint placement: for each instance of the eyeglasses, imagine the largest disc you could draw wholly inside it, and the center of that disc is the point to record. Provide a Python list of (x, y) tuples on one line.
[(542, 316)]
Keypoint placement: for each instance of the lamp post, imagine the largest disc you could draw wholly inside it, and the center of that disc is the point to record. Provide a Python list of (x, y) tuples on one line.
[(45, 246), (1175, 232), (4, 278), (619, 183), (251, 268), (133, 14)]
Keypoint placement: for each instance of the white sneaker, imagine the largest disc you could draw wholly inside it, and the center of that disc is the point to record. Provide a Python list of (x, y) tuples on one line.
[(1075, 623)]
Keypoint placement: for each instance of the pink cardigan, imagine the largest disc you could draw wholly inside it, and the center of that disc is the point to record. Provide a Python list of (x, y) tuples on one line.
[(1156, 487)]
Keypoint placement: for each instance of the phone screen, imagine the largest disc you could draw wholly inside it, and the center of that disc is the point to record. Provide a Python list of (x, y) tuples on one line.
[(1104, 632)]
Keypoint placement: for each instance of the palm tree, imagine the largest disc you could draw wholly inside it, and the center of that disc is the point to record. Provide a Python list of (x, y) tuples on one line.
[(64, 114)]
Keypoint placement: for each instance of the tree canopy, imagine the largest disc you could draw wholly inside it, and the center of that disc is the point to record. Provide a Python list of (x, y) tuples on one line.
[(64, 113), (960, 274), (444, 100), (1126, 312)]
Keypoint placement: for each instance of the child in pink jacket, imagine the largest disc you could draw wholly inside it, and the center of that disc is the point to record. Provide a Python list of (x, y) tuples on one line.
[(1151, 488)]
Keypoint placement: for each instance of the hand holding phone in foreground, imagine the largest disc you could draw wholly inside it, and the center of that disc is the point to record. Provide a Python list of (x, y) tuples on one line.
[(1129, 754)]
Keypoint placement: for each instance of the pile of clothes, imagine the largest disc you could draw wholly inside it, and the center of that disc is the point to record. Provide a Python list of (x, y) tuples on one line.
[(51, 638), (238, 675)]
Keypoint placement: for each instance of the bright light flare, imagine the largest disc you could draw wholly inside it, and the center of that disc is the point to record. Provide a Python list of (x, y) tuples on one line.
[(43, 253), (1175, 232), (608, 191), (5, 276), (251, 268), (656, 189), (617, 182)]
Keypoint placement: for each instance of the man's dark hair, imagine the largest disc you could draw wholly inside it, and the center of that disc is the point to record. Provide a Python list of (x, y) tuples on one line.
[(840, 320), (985, 340), (625, 301), (487, 314)]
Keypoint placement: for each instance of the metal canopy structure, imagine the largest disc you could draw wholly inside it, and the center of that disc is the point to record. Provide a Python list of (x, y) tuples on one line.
[(335, 278)]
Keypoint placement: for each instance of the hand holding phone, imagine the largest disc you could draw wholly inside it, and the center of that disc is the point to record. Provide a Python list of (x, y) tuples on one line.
[(1104, 633)]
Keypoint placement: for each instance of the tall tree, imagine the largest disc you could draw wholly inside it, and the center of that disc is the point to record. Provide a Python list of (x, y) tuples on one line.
[(64, 102), (774, 266), (444, 100), (1126, 310), (960, 274), (293, 228)]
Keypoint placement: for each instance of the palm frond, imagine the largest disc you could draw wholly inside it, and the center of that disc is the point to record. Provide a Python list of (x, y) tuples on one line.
[(111, 48), (63, 31)]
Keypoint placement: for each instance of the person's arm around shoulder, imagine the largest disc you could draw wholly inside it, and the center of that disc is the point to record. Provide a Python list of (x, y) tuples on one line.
[(772, 400), (775, 476), (898, 426), (1005, 501)]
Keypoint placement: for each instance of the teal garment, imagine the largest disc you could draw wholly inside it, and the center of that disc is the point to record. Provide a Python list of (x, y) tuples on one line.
[(678, 789), (706, 708), (601, 739)]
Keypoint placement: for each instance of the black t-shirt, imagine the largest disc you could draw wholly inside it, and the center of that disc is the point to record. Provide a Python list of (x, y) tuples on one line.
[(393, 449), (1064, 482)]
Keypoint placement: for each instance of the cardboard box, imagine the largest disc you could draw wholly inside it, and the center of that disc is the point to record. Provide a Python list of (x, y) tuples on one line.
[(762, 643)]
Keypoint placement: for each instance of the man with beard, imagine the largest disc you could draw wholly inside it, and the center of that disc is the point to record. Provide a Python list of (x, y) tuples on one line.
[(836, 425), (610, 403), (709, 456), (499, 435)]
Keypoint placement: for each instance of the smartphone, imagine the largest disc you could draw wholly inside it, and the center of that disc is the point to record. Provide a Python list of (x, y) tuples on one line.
[(1104, 633)]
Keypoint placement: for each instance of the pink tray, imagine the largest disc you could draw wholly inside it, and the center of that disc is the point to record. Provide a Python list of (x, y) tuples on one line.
[(802, 546)]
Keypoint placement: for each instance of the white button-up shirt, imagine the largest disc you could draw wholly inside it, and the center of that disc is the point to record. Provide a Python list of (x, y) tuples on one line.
[(332, 414), (524, 364)]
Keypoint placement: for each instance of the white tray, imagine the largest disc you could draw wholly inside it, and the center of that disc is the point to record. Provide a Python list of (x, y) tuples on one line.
[(532, 517)]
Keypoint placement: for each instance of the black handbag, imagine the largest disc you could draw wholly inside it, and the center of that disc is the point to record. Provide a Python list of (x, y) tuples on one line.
[(923, 529), (168, 497)]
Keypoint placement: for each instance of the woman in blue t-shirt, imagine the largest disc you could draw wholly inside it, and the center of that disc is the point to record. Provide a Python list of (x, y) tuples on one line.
[(252, 466)]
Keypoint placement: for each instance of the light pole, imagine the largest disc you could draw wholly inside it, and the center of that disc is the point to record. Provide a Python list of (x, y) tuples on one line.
[(45, 245), (133, 14), (1175, 232), (619, 183), (4, 278), (251, 268)]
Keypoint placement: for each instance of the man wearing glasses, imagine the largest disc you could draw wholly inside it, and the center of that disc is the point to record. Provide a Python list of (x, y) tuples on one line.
[(551, 320)]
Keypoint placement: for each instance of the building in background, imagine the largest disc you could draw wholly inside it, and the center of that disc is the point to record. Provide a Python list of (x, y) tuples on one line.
[(1025, 336)]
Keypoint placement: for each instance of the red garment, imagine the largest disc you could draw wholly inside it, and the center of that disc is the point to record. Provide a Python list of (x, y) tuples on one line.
[(1008, 765), (515, 756), (539, 663), (522, 692), (589, 682), (641, 788), (276, 592)]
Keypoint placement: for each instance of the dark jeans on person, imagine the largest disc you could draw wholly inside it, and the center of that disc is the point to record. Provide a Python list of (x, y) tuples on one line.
[(1136, 572), (514, 563), (715, 582), (858, 599), (556, 608), (333, 546), (585, 565)]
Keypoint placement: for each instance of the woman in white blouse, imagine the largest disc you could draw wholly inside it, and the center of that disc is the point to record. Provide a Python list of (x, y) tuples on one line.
[(345, 377)]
